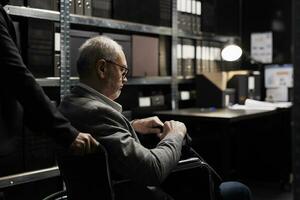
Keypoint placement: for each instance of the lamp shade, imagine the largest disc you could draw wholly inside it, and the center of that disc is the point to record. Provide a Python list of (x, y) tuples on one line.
[(231, 52)]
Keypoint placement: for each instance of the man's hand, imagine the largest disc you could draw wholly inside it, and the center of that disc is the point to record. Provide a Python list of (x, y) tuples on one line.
[(150, 125), (173, 127), (83, 144)]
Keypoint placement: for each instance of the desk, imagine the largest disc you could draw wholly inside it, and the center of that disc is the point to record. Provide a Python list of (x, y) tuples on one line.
[(220, 115), (230, 140)]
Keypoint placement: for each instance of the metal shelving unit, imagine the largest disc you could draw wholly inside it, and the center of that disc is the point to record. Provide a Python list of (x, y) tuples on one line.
[(32, 13), (65, 81), (49, 82), (66, 19), (161, 80), (87, 20), (65, 68), (119, 25), (174, 83)]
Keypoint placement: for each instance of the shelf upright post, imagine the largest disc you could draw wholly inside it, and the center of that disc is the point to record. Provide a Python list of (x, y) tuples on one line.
[(65, 82), (174, 81)]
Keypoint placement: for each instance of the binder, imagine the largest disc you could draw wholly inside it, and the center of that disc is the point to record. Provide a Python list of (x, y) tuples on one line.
[(49, 4), (153, 12), (165, 13), (40, 45), (199, 57), (16, 2), (188, 22), (101, 8), (194, 24), (135, 11), (198, 16), (185, 22), (56, 65), (180, 21), (188, 57), (212, 66), (79, 4), (208, 17), (205, 56), (40, 62), (240, 84), (179, 57), (87, 8), (216, 64), (72, 6), (183, 6), (56, 53), (164, 56), (144, 60), (256, 92), (179, 9)]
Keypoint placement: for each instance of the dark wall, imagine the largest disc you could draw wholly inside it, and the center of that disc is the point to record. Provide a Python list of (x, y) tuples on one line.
[(222, 17), (228, 17), (296, 102), (265, 16), (243, 17)]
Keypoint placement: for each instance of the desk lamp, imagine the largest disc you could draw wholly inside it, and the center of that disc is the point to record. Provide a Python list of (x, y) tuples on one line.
[(231, 52)]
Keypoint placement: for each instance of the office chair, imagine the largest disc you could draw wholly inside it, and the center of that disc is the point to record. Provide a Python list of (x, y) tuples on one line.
[(87, 176)]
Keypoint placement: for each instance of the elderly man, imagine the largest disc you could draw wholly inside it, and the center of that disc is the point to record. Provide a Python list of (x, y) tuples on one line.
[(91, 107)]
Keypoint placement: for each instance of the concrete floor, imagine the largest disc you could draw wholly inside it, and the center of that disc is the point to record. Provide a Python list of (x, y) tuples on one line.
[(270, 191)]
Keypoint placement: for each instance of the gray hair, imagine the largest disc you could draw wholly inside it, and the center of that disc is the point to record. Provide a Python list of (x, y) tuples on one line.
[(99, 47)]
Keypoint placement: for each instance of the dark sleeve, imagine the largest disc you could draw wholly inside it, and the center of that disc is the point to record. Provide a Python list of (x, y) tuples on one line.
[(17, 81)]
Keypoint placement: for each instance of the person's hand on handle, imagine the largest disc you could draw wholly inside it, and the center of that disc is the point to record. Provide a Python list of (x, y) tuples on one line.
[(83, 144), (150, 125), (173, 127)]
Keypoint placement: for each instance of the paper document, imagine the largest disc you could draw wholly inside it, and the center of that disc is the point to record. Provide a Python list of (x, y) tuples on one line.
[(251, 104)]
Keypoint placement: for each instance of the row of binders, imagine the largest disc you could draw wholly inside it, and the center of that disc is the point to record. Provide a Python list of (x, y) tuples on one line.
[(152, 12), (141, 61), (49, 4), (96, 8), (41, 49), (198, 56), (40, 46), (189, 16)]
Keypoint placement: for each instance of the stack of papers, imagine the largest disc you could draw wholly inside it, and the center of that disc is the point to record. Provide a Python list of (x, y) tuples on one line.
[(251, 104)]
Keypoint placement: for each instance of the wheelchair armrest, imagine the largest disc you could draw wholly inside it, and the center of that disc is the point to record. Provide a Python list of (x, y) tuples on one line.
[(188, 160), (189, 163)]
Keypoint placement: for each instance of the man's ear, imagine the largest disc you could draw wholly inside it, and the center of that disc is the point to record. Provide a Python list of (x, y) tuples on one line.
[(100, 68)]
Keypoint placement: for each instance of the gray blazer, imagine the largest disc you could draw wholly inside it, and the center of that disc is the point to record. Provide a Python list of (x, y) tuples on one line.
[(128, 158)]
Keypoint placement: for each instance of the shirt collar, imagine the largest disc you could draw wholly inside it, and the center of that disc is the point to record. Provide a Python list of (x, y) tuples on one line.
[(105, 99)]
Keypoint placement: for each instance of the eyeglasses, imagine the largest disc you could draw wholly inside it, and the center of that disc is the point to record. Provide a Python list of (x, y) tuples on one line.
[(124, 68)]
